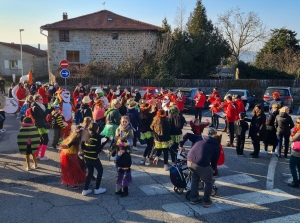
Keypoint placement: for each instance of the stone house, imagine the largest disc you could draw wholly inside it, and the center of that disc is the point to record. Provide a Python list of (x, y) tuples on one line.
[(102, 36), (33, 59)]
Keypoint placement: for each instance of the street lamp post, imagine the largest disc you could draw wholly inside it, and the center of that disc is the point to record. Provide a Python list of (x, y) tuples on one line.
[(21, 51)]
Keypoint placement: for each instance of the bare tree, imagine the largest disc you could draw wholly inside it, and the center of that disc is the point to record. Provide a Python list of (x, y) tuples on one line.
[(241, 30), (179, 19)]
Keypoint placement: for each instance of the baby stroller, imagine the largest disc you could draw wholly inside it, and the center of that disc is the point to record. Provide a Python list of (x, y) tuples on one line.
[(181, 177)]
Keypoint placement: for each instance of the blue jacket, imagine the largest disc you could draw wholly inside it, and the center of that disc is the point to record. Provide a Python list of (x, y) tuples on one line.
[(205, 150), (134, 117)]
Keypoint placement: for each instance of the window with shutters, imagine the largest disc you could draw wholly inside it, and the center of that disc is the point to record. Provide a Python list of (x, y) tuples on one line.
[(73, 56), (64, 35)]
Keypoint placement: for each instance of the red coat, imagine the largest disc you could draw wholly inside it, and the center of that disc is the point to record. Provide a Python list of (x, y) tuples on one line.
[(124, 94), (44, 94), (92, 97), (199, 103), (21, 95), (110, 96), (75, 96), (216, 105), (148, 96), (172, 98), (231, 112), (239, 107), (180, 103), (213, 97)]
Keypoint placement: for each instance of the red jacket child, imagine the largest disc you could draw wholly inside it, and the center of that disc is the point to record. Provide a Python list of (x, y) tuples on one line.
[(239, 107), (197, 127)]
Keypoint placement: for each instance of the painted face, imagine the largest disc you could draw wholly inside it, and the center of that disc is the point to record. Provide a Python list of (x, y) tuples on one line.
[(124, 122)]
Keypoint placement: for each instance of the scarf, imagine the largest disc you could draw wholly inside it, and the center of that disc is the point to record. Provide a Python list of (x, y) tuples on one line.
[(41, 106), (108, 111)]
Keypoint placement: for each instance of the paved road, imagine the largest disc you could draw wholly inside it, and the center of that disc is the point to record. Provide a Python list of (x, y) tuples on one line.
[(250, 190)]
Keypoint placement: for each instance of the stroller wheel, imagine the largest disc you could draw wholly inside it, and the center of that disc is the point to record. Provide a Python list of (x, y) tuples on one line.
[(187, 195), (214, 190), (178, 190), (201, 185)]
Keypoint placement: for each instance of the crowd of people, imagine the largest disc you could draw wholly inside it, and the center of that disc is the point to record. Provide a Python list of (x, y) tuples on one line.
[(155, 118)]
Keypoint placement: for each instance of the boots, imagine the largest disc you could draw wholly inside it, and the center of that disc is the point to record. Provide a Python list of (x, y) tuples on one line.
[(125, 192)]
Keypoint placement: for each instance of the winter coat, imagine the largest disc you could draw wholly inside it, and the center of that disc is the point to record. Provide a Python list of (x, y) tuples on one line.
[(144, 125), (174, 129), (239, 108), (240, 127), (134, 117), (270, 133), (283, 124), (165, 136), (85, 111), (230, 112), (113, 117), (199, 102), (205, 150), (258, 125), (39, 115)]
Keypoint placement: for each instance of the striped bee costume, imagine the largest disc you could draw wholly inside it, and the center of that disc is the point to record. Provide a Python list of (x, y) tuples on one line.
[(28, 135)]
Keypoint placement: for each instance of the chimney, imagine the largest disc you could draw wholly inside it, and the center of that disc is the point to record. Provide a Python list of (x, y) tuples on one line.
[(39, 46), (65, 16)]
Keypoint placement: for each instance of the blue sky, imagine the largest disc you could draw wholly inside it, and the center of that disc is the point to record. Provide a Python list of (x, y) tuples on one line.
[(31, 14)]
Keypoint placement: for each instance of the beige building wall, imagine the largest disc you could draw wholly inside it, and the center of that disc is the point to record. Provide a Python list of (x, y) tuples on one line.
[(99, 46), (37, 64)]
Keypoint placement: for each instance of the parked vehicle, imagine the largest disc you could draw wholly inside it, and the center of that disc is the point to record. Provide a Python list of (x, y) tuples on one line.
[(243, 92), (189, 93), (286, 95)]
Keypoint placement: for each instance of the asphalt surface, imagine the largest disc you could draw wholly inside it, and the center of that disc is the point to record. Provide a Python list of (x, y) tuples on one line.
[(248, 190)]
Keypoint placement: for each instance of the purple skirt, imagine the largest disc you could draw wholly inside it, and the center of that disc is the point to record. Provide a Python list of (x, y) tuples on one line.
[(123, 178)]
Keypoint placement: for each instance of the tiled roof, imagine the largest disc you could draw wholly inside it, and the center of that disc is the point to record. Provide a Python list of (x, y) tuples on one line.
[(26, 49), (102, 20)]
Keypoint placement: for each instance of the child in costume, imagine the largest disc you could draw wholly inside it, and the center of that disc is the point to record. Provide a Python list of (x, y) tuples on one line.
[(146, 118), (98, 114), (72, 172), (123, 162), (28, 141), (125, 130), (78, 116), (177, 122), (197, 127), (92, 147), (57, 124), (162, 139)]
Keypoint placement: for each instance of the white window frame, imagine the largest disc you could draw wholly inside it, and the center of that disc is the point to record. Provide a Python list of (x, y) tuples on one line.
[(13, 64)]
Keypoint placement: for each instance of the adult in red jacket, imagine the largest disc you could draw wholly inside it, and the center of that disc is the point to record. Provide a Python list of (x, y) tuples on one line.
[(239, 106), (43, 91), (126, 94), (76, 95), (111, 95), (21, 93), (230, 119), (199, 100), (180, 101), (148, 95), (172, 96)]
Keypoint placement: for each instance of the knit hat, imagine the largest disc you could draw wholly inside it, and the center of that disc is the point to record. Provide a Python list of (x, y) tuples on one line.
[(101, 94), (174, 110), (56, 107), (212, 131), (79, 99)]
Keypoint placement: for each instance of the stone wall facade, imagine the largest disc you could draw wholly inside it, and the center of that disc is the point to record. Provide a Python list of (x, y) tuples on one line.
[(99, 46), (38, 65)]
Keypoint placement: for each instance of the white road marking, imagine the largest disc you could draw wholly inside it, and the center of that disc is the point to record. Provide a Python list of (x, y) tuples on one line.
[(253, 200), (236, 179), (271, 173), (222, 167), (154, 189), (295, 218)]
